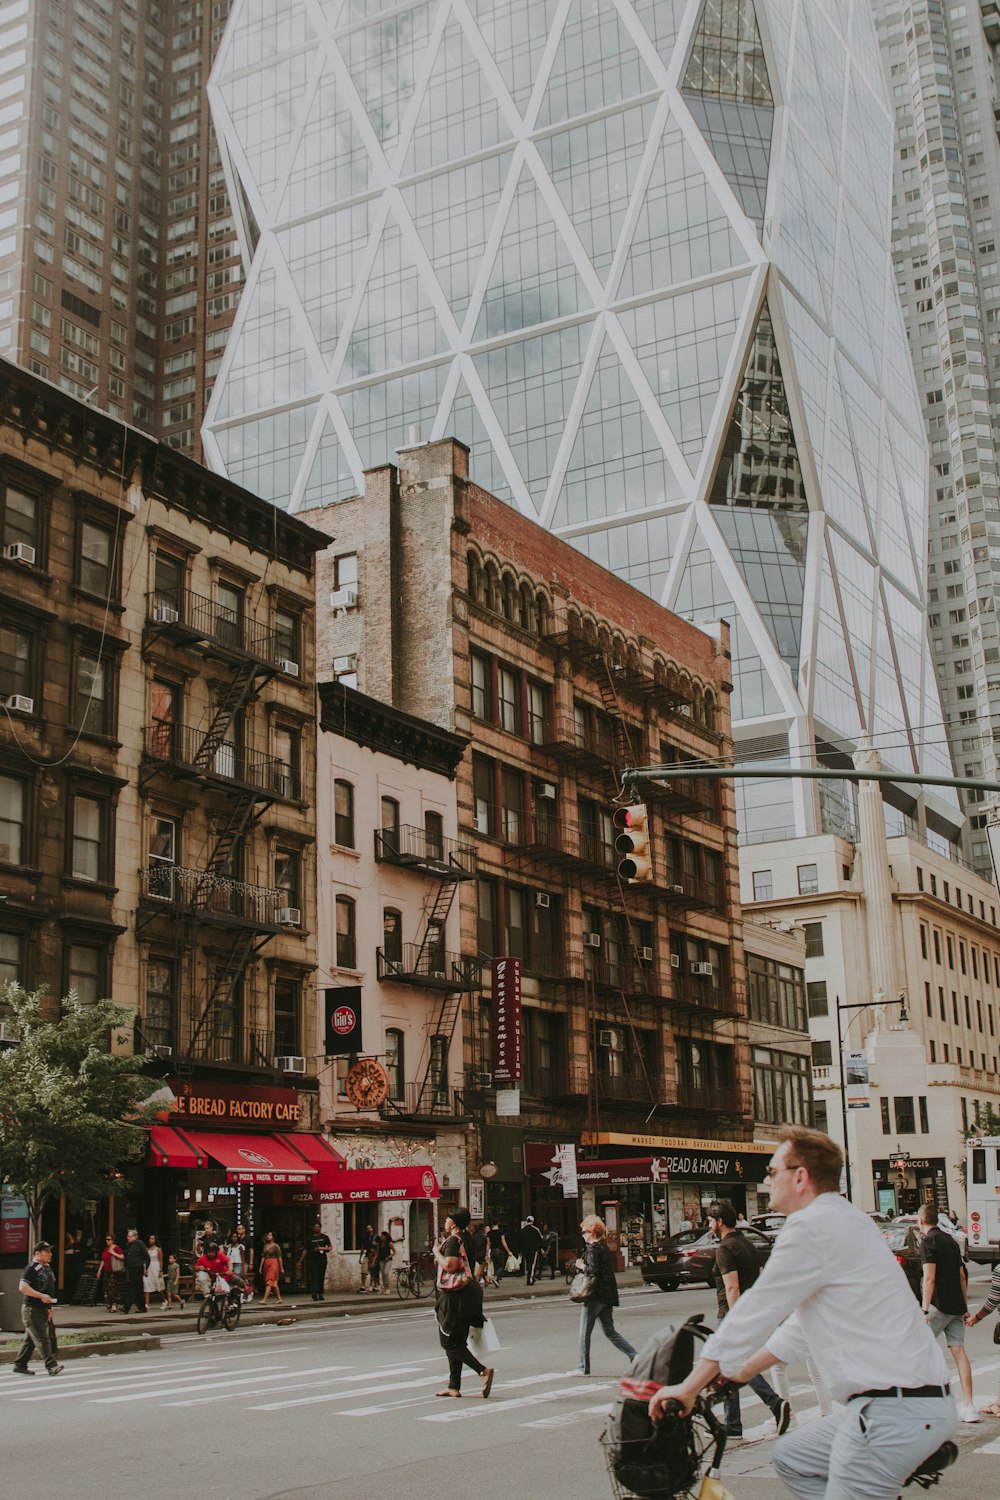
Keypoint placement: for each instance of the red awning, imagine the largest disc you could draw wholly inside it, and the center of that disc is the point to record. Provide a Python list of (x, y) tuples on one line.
[(254, 1158), (395, 1184), (171, 1147), (316, 1149)]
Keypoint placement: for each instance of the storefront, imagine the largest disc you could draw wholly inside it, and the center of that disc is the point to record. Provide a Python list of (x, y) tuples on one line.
[(628, 1193), (901, 1186)]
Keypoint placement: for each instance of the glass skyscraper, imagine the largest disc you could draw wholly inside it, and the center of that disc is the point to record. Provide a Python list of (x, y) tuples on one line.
[(636, 254)]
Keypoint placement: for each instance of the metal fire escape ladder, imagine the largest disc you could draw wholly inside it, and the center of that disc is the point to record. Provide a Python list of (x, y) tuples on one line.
[(237, 693), (624, 752), (444, 1026), (451, 1001), (219, 986), (436, 917)]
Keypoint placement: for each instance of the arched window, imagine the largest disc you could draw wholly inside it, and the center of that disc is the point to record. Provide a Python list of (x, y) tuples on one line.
[(392, 935), (343, 814), (389, 817), (434, 836), (394, 1062), (347, 943)]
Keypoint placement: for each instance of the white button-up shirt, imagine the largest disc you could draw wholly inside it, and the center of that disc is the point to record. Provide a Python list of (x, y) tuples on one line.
[(854, 1310)]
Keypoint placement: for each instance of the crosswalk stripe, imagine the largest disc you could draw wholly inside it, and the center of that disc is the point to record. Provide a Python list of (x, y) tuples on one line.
[(567, 1418), (499, 1407), (374, 1390), (301, 1385), (992, 1447), (384, 1406), (177, 1381)]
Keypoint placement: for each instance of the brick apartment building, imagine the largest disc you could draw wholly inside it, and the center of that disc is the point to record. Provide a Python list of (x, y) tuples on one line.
[(559, 674), (157, 757)]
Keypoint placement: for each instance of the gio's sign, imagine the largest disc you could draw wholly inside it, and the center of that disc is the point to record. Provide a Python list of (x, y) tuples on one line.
[(342, 1020)]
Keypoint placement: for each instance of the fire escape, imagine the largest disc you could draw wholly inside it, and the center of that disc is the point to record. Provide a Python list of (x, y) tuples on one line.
[(426, 964), (216, 921)]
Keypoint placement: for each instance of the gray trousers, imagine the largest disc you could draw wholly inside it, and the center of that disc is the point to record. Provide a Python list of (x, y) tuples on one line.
[(39, 1334), (864, 1451)]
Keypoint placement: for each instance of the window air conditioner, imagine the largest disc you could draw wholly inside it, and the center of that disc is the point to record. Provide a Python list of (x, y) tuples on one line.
[(543, 900), (646, 954), (546, 790), (437, 974), (20, 552), (675, 960), (344, 598), (676, 890), (345, 663), (290, 1064), (19, 704), (165, 614), (606, 1038), (290, 668), (484, 1080), (289, 916), (591, 939), (160, 1049), (706, 970)]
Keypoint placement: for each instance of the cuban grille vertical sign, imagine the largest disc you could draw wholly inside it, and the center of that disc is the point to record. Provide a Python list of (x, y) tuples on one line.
[(506, 975), (342, 1016)]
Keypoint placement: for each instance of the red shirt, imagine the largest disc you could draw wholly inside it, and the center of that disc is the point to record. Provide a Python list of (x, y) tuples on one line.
[(106, 1255), (218, 1263)]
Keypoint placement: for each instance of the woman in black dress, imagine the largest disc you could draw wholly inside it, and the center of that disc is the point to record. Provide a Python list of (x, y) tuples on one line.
[(458, 1303)]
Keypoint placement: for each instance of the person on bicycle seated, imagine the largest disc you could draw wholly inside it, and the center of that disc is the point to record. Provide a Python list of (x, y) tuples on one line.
[(832, 1289), (218, 1268)]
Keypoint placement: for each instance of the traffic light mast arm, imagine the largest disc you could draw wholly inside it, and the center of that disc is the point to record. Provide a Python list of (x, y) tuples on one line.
[(634, 776)]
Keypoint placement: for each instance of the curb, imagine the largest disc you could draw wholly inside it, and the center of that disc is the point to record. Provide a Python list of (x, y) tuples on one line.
[(109, 1346)]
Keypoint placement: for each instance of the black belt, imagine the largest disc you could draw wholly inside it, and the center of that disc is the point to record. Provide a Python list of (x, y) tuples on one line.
[(901, 1391)]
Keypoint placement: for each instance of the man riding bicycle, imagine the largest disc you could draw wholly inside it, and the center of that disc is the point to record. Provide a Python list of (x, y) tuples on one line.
[(833, 1290), (216, 1265)]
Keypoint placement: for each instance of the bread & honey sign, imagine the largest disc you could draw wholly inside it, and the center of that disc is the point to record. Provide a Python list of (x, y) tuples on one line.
[(228, 1104)]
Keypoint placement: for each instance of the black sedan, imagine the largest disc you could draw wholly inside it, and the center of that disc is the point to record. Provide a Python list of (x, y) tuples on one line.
[(689, 1257), (904, 1242)]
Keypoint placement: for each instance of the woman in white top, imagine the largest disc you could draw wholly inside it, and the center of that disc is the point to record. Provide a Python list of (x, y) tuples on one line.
[(152, 1281)]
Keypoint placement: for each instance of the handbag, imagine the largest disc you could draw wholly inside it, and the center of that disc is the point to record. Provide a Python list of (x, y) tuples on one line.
[(453, 1281), (117, 1263), (484, 1341), (581, 1288)]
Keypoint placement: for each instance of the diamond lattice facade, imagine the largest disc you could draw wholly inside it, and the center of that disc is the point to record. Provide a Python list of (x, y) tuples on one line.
[(636, 256)]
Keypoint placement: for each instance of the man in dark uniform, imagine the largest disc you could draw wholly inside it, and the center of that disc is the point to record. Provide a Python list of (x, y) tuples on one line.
[(38, 1288), (136, 1265), (531, 1249), (317, 1248)]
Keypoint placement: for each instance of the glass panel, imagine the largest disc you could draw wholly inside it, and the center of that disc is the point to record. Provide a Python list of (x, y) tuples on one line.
[(396, 323), (265, 455), (596, 64), (380, 415), (95, 557), (324, 257), (640, 553), (263, 107), (268, 365), (515, 32), (460, 114), (453, 213), (11, 820), (385, 62), (331, 476), (86, 857), (331, 160)]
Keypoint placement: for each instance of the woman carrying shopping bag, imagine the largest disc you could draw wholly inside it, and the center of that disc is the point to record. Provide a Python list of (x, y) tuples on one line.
[(458, 1304), (601, 1295)]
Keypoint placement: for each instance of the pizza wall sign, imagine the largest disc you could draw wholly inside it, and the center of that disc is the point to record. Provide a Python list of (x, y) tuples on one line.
[(367, 1084)]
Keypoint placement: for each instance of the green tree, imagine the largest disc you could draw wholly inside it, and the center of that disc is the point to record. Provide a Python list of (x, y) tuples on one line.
[(71, 1108)]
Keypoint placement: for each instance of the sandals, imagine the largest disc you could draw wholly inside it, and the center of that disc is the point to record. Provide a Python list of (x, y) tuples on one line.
[(457, 1394), (990, 1411), (487, 1379)]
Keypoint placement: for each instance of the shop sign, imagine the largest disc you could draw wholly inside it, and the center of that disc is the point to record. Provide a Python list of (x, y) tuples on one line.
[(672, 1142), (506, 1020), (229, 1104), (547, 1164), (704, 1164), (342, 1020), (911, 1164), (13, 1224), (477, 1197)]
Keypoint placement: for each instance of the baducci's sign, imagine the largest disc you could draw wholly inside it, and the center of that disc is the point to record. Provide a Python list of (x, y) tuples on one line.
[(227, 1104)]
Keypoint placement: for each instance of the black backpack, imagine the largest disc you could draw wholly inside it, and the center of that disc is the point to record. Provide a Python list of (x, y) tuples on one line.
[(647, 1458)]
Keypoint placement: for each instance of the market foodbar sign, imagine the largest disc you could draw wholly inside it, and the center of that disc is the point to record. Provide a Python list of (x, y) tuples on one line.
[(228, 1104)]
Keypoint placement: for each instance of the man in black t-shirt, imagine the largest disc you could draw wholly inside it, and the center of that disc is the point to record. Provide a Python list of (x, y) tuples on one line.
[(531, 1249), (317, 1248), (943, 1298), (38, 1288), (736, 1270)]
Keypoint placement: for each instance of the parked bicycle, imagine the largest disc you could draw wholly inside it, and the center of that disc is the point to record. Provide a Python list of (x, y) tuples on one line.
[(409, 1282), (220, 1308)]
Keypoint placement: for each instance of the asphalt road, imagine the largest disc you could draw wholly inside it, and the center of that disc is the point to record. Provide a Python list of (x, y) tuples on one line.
[(347, 1406)]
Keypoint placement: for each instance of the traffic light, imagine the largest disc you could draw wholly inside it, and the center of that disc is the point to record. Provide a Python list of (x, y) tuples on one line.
[(632, 843)]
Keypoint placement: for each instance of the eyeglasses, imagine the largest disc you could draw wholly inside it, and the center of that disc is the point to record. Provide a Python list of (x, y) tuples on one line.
[(789, 1167)]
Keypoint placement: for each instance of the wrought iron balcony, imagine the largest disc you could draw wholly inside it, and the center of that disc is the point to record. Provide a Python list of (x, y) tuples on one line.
[(701, 994), (215, 898), (228, 1042), (719, 1098), (690, 891), (188, 753), (427, 1101), (629, 1088), (429, 967), (410, 847), (579, 744), (183, 616)]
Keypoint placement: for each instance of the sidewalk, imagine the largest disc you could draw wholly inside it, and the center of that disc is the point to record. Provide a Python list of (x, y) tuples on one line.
[(73, 1319)]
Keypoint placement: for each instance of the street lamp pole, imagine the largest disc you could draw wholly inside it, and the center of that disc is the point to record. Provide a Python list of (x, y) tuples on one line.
[(841, 1036)]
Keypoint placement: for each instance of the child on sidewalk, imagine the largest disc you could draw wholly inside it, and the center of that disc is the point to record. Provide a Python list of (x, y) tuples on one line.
[(173, 1280)]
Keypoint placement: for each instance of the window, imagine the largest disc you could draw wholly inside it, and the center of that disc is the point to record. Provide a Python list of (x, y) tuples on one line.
[(516, 932), (808, 880), (288, 876), (487, 933), (822, 1054), (163, 846), (510, 700), (346, 941), (93, 697), (168, 585), (288, 755), (287, 1010), (483, 795), (439, 1069), (161, 1002), (512, 805), (394, 1062), (820, 1120), (95, 561), (814, 939), (85, 972), (434, 836), (89, 841), (343, 814), (763, 885), (13, 807), (230, 601), (906, 1123), (392, 935), (17, 661), (345, 571), (10, 958), (538, 712), (923, 941), (922, 1108), (287, 633), (165, 717), (481, 696), (389, 822), (816, 996), (359, 1219), (775, 990), (886, 1123), (20, 514), (781, 1085)]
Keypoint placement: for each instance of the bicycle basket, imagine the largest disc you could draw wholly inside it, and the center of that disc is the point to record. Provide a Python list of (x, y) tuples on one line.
[(654, 1469)]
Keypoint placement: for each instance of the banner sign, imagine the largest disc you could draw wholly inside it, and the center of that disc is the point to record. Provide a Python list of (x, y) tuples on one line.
[(856, 1080), (548, 1164), (508, 1103), (506, 994), (706, 1164), (477, 1197), (568, 1176), (342, 1020), (232, 1104), (13, 1223)]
